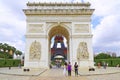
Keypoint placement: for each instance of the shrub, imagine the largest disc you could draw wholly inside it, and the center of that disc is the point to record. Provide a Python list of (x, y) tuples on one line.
[(9, 62), (111, 62)]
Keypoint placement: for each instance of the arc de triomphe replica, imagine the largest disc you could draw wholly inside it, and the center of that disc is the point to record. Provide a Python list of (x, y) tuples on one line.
[(45, 20)]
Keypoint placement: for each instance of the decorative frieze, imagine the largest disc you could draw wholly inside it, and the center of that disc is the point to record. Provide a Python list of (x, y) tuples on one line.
[(40, 5), (56, 18), (57, 4), (59, 11)]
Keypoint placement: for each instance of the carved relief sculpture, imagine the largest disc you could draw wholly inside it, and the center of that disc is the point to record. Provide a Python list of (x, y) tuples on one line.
[(35, 51), (82, 52)]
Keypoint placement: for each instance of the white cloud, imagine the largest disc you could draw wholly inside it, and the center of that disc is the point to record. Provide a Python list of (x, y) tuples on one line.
[(12, 27), (108, 30), (105, 7), (106, 33)]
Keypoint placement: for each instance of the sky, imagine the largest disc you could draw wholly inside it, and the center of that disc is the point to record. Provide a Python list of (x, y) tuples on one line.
[(105, 23)]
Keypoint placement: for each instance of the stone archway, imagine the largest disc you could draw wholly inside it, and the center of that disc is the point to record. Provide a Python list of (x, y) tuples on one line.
[(44, 20), (58, 30)]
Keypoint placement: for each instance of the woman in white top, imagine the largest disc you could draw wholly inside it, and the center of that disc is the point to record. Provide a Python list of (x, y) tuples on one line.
[(65, 69)]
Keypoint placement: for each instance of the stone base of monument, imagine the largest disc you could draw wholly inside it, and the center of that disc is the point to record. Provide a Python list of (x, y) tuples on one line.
[(86, 69), (83, 69)]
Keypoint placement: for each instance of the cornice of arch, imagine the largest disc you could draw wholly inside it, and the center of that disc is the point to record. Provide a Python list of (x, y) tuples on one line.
[(58, 11), (57, 4)]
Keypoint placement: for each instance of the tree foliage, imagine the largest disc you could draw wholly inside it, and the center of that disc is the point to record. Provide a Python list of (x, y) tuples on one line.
[(102, 56), (17, 52), (7, 51)]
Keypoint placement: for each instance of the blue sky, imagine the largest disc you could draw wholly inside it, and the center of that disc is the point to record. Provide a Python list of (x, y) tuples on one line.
[(105, 23)]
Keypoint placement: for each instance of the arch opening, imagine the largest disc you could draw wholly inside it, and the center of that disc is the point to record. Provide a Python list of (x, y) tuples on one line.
[(58, 45)]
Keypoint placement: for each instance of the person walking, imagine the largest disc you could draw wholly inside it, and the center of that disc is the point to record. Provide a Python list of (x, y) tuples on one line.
[(104, 65), (69, 69), (65, 69), (76, 69)]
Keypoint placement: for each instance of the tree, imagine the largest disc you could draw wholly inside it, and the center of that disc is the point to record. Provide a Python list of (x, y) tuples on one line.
[(13, 50), (17, 52), (7, 51), (102, 56), (4, 47), (0, 47)]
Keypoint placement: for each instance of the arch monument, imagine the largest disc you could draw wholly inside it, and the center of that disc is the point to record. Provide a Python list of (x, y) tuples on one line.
[(45, 20)]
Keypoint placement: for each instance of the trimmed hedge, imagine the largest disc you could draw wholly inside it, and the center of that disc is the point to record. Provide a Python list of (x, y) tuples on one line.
[(111, 62), (9, 62)]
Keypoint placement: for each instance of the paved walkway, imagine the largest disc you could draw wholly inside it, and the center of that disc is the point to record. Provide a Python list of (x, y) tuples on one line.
[(100, 71), (20, 72), (35, 72), (57, 74)]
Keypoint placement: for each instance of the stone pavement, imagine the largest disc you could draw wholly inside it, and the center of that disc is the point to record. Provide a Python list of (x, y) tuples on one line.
[(57, 74), (100, 71), (20, 72), (115, 76)]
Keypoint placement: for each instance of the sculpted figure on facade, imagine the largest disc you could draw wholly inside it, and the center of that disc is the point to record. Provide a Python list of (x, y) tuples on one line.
[(82, 52), (35, 51)]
